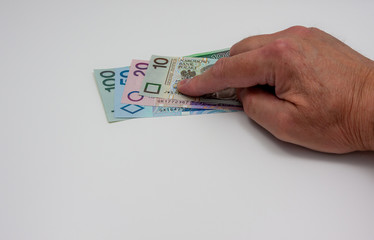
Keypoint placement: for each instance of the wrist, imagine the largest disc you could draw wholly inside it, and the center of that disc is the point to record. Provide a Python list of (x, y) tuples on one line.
[(358, 127), (371, 114), (366, 123)]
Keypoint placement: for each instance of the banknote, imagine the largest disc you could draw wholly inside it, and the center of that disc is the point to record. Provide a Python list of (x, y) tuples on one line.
[(133, 84), (164, 73), (111, 84), (124, 110), (177, 111), (108, 79), (136, 109), (216, 54), (105, 81)]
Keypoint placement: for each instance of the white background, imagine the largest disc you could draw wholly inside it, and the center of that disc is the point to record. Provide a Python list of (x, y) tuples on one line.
[(65, 173)]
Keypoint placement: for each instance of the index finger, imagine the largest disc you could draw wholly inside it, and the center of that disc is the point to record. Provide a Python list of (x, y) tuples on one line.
[(243, 70)]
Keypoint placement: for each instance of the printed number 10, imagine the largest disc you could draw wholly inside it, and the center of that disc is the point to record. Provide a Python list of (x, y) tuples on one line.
[(161, 63)]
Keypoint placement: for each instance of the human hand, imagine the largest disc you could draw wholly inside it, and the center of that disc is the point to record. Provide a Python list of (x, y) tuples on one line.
[(324, 90)]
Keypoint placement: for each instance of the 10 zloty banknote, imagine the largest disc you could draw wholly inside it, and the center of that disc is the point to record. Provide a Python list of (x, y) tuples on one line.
[(164, 74)]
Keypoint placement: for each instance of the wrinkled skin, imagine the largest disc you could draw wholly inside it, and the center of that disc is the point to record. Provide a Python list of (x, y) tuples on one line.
[(323, 96)]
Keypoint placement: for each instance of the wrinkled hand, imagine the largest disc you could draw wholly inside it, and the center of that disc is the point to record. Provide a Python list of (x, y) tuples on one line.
[(324, 90)]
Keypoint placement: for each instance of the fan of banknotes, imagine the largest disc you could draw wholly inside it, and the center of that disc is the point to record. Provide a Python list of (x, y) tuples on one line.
[(149, 88)]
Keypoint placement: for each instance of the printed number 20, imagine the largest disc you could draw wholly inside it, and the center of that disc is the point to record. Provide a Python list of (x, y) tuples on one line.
[(141, 68)]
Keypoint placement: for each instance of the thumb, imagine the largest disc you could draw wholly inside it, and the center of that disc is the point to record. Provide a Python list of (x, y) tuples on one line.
[(272, 113)]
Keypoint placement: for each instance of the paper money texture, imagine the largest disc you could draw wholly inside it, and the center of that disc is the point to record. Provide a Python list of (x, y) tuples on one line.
[(164, 73)]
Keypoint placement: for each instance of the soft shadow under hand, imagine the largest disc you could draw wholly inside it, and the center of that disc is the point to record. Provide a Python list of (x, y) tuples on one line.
[(358, 159)]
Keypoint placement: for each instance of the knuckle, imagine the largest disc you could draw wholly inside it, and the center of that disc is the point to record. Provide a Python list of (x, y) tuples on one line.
[(282, 44), (279, 47), (314, 30), (298, 30), (303, 32)]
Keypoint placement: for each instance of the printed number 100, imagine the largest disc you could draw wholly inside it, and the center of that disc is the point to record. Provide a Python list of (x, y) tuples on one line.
[(108, 80), (161, 63)]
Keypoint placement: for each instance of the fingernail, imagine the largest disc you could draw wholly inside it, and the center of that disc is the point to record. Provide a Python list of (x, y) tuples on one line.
[(184, 82)]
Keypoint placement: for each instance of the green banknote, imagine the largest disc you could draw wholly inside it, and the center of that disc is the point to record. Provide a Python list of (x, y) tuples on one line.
[(216, 54)]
